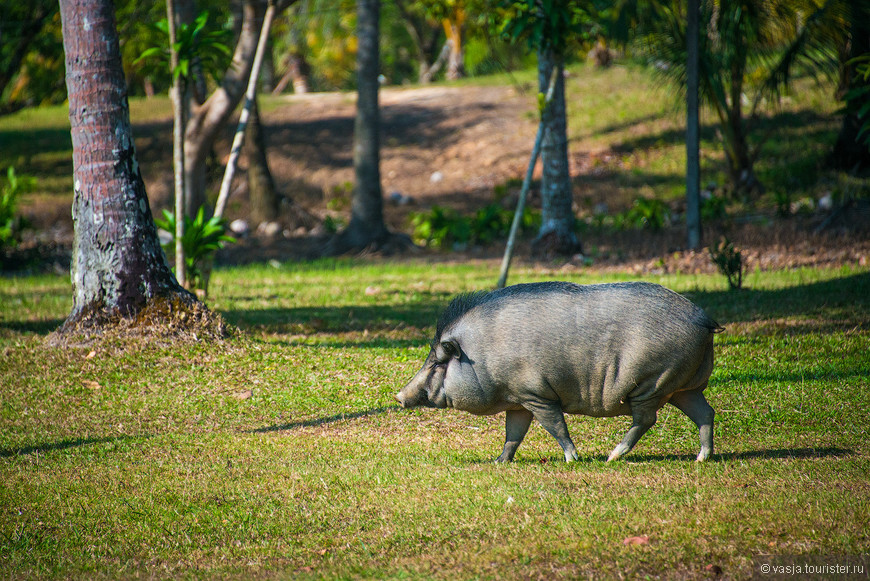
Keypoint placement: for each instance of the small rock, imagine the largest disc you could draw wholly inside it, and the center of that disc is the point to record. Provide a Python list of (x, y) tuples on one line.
[(269, 229), (826, 202), (399, 199), (436, 177), (239, 227)]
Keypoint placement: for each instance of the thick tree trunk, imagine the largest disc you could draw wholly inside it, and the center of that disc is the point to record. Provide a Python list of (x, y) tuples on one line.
[(119, 269), (849, 153), (366, 228), (261, 186), (556, 236)]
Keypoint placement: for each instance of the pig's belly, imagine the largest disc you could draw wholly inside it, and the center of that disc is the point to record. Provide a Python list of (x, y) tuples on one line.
[(593, 396)]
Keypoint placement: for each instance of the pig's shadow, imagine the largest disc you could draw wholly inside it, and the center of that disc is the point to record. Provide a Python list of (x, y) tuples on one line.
[(324, 421), (774, 453)]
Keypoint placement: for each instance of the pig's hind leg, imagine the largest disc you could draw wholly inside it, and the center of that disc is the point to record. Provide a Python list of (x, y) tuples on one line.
[(516, 424), (643, 417), (693, 404)]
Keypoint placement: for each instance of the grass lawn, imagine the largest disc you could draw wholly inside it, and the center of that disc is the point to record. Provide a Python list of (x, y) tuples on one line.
[(281, 452)]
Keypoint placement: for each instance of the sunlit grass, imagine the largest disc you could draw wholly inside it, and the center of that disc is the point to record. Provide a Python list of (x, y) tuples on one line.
[(281, 452)]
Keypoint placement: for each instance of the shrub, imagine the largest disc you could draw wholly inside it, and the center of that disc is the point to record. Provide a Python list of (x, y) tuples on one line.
[(10, 223), (201, 239), (440, 226), (649, 213), (729, 261)]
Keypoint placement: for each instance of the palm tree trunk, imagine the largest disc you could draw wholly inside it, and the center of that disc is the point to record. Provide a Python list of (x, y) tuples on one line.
[(367, 228), (556, 236), (261, 186), (118, 266)]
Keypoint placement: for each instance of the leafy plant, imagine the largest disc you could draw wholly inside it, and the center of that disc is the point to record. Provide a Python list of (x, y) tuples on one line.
[(713, 208), (332, 225), (196, 46), (201, 239), (858, 98), (649, 213), (10, 223), (439, 226), (729, 261)]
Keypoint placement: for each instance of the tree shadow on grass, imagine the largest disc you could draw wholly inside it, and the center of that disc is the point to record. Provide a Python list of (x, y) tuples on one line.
[(331, 320), (35, 327), (63, 445), (324, 421), (848, 294)]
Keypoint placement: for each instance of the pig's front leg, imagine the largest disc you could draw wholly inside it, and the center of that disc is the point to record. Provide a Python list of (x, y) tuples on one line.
[(516, 424), (549, 414)]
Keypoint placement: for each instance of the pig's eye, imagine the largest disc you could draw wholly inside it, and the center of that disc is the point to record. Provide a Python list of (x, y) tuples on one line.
[(449, 349)]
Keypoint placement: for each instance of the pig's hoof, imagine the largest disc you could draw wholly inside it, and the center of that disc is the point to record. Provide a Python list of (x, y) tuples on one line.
[(617, 453), (703, 455)]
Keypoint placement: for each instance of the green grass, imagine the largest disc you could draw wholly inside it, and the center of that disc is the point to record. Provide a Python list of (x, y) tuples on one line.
[(126, 460)]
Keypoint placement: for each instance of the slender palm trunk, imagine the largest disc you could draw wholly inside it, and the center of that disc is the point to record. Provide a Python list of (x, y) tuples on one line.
[(367, 228), (261, 186), (556, 235)]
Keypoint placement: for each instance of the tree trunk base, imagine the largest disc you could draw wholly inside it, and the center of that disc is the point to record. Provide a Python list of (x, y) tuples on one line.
[(553, 244), (351, 241), (173, 318)]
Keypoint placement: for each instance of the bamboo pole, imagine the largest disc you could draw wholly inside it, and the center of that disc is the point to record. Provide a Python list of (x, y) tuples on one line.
[(524, 192)]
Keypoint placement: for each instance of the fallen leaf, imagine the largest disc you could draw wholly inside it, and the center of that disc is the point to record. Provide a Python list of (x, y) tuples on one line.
[(91, 384), (372, 290), (247, 394), (640, 540), (91, 355), (714, 569)]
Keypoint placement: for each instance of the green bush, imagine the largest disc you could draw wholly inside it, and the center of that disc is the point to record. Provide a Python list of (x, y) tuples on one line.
[(10, 223), (201, 239), (729, 261), (649, 213), (713, 208), (440, 226)]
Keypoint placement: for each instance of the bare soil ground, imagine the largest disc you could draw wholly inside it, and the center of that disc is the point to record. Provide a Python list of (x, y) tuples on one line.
[(451, 146)]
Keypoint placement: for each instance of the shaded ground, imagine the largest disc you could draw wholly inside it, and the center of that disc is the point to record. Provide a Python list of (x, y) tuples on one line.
[(451, 146)]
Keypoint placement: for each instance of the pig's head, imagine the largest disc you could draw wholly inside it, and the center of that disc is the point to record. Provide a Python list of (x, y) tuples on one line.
[(426, 388)]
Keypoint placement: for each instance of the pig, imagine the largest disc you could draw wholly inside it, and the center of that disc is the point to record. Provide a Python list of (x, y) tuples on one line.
[(542, 350)]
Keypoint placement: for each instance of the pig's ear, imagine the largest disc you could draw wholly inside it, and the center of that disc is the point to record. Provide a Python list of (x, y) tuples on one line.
[(447, 349)]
